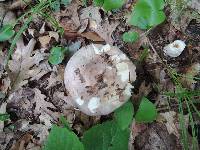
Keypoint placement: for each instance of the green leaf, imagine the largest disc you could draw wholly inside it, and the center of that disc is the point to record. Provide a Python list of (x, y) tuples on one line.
[(147, 111), (57, 55), (98, 2), (6, 33), (106, 136), (55, 6), (65, 2), (65, 122), (62, 139), (4, 117), (113, 4), (147, 13), (144, 55), (130, 36), (124, 115)]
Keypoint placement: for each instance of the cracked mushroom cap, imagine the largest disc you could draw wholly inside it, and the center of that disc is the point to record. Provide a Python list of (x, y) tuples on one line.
[(98, 78)]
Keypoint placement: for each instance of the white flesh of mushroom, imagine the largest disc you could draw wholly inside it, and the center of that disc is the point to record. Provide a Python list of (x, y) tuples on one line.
[(123, 71), (93, 104), (79, 101), (174, 49)]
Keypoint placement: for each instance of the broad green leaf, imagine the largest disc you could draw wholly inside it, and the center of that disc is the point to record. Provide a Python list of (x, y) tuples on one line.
[(6, 33), (57, 55), (112, 4), (147, 13), (62, 139), (124, 115), (98, 2), (4, 117), (130, 36), (147, 111), (106, 136)]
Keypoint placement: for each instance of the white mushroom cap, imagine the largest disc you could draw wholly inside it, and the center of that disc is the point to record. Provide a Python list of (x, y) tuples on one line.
[(98, 78), (174, 49)]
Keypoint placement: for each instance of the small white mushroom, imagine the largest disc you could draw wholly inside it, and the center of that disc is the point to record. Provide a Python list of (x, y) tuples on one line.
[(98, 78), (174, 49)]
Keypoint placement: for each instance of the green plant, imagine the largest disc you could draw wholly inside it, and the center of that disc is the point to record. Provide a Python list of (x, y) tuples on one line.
[(128, 111), (130, 36), (146, 112), (62, 139), (185, 98), (41, 8), (147, 14), (6, 32), (57, 55), (55, 5), (109, 5), (4, 117), (106, 135)]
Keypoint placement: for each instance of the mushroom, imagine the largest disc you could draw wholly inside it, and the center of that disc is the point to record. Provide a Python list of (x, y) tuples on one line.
[(174, 49), (98, 79)]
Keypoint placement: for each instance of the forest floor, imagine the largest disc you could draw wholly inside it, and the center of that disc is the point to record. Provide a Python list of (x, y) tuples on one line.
[(32, 91)]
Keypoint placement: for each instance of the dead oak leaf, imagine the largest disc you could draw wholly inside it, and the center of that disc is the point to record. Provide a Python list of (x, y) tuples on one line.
[(41, 104), (106, 30), (22, 63)]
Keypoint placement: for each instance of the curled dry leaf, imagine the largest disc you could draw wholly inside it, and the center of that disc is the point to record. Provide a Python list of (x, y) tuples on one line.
[(45, 40), (22, 64), (92, 36)]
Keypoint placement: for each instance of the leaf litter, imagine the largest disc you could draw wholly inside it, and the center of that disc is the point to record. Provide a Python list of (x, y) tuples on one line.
[(34, 93)]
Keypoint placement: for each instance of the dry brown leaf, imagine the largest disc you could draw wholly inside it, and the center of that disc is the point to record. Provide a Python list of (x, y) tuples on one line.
[(44, 41), (106, 30), (40, 130), (40, 103), (84, 25), (61, 100), (170, 122), (143, 91), (54, 35), (92, 36), (19, 4), (20, 144), (156, 137), (137, 128), (56, 77), (190, 72), (71, 12), (22, 63), (92, 13)]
